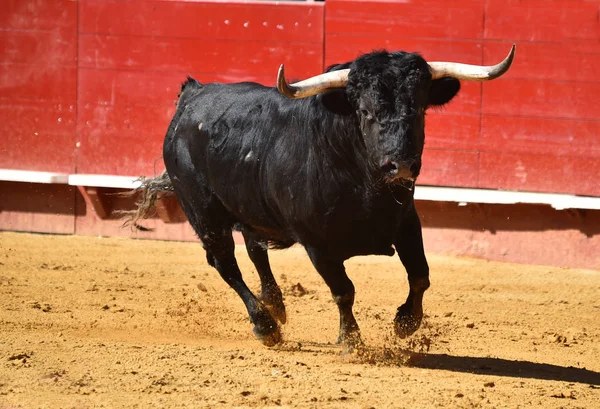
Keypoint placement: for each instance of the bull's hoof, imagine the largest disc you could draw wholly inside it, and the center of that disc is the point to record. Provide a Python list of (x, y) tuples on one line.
[(278, 312), (275, 306), (271, 339), (267, 330), (350, 341), (407, 322)]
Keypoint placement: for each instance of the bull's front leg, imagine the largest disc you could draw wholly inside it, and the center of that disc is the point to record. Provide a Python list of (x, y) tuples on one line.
[(409, 245), (342, 290)]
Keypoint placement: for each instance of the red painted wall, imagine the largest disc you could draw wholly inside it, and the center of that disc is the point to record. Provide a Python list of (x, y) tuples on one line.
[(38, 84), (89, 86), (133, 56)]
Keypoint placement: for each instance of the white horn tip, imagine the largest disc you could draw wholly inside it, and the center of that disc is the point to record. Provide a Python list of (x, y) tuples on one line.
[(501, 68)]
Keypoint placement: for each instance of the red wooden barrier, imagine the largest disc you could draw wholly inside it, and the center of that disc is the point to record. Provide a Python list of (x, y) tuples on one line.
[(38, 80), (103, 75), (133, 56), (539, 125)]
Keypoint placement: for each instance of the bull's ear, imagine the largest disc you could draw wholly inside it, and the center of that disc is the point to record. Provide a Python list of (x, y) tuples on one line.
[(337, 102), (443, 90)]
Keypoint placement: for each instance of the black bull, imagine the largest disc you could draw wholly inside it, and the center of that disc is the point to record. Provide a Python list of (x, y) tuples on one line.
[(333, 171)]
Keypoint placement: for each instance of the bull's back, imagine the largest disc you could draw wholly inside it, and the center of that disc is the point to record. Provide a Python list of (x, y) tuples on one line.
[(222, 138)]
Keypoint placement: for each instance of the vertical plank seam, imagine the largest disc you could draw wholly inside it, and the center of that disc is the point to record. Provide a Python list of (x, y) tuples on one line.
[(324, 37), (76, 148), (485, 3)]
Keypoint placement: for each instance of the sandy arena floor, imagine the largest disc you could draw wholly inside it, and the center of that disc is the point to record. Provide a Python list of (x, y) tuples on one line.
[(95, 322)]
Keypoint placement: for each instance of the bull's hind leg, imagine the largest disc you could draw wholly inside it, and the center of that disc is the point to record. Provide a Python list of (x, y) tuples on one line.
[(213, 224), (221, 246), (409, 245), (342, 290), (270, 293)]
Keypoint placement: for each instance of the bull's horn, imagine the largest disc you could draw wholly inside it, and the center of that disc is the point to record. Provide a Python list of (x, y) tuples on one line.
[(471, 72), (311, 86)]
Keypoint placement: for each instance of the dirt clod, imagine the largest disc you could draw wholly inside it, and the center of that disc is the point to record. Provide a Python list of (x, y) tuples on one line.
[(20, 356), (297, 290), (561, 395)]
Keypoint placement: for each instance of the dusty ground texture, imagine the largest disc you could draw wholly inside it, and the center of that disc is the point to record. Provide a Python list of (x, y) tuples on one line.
[(91, 322)]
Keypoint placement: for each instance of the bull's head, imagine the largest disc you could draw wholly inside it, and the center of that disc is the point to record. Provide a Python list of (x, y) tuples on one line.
[(389, 94)]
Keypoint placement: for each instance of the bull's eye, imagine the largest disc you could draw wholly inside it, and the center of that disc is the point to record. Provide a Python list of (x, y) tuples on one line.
[(366, 114)]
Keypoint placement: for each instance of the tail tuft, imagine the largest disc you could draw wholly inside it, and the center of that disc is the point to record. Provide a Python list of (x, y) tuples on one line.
[(151, 190)]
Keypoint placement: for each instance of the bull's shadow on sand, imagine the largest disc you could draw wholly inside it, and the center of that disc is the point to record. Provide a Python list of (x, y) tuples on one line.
[(504, 367), (466, 364)]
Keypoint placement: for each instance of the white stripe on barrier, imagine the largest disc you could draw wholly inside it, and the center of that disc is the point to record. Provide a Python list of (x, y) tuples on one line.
[(29, 176), (111, 181), (462, 196)]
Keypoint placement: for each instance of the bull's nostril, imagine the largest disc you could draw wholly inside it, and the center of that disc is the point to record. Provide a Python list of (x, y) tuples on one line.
[(388, 166)]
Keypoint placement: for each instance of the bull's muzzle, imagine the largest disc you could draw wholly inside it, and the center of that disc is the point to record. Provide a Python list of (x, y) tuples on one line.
[(400, 171)]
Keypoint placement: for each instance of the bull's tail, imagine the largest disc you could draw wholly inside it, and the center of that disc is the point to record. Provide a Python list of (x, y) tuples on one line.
[(151, 190)]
